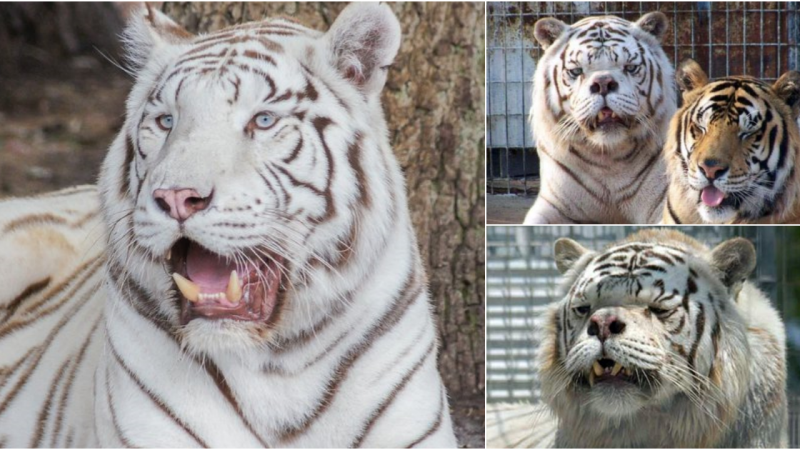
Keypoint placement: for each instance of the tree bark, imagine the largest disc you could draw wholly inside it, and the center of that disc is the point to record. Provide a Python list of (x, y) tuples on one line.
[(434, 103)]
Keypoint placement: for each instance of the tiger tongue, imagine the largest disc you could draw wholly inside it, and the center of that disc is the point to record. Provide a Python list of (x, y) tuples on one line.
[(208, 270), (712, 196)]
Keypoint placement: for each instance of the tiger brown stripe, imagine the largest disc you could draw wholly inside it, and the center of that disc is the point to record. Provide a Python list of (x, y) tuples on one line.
[(66, 391), (154, 398), (410, 292), (388, 401)]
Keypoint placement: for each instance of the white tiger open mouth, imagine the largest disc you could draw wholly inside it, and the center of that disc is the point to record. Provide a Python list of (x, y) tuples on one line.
[(607, 118), (606, 370), (212, 286)]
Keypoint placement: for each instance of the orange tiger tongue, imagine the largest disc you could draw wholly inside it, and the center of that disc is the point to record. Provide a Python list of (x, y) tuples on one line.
[(712, 196)]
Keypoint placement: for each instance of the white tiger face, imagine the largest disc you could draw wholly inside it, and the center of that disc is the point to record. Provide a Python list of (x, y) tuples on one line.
[(247, 158), (641, 323), (734, 139), (606, 78)]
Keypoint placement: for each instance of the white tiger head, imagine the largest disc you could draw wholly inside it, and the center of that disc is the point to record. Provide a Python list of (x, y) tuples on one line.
[(647, 323), (603, 80), (249, 163)]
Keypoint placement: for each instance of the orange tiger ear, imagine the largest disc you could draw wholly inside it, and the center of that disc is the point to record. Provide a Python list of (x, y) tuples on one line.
[(567, 252), (787, 89), (654, 23), (363, 42), (735, 259), (548, 30), (690, 76)]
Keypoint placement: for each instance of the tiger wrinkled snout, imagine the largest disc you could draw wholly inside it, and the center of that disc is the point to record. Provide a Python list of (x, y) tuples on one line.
[(605, 325), (180, 204), (603, 84)]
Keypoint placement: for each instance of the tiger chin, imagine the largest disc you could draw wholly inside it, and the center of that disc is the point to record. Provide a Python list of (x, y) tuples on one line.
[(260, 285), (732, 150), (661, 342), (601, 105)]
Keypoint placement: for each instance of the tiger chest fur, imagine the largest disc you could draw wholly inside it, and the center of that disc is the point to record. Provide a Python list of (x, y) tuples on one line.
[(661, 342), (602, 100), (262, 283)]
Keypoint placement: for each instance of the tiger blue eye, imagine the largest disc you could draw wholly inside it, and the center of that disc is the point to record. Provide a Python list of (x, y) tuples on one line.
[(576, 72), (165, 121), (264, 120), (630, 68)]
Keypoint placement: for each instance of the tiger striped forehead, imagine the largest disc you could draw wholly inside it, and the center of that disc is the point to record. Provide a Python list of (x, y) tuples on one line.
[(256, 154), (646, 274), (610, 80)]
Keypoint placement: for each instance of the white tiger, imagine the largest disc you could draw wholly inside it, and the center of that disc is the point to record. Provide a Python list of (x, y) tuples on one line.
[(658, 341), (602, 101), (263, 286)]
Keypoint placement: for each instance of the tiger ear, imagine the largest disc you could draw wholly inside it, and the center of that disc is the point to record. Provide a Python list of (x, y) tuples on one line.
[(567, 252), (363, 42), (654, 23), (735, 259), (149, 29), (690, 76), (788, 89), (548, 30)]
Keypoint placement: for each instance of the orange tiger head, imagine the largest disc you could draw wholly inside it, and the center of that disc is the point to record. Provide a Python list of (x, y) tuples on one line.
[(732, 144)]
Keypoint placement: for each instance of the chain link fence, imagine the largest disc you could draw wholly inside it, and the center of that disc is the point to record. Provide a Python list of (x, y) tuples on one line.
[(761, 39), (521, 279)]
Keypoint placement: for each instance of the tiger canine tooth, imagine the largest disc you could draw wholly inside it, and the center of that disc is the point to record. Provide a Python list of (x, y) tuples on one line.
[(616, 369), (188, 289), (169, 254), (598, 369), (234, 291), (591, 379)]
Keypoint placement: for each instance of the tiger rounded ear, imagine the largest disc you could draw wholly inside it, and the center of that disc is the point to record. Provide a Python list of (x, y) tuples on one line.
[(363, 42), (654, 23), (787, 89), (548, 30), (735, 259), (690, 76), (567, 252), (149, 29)]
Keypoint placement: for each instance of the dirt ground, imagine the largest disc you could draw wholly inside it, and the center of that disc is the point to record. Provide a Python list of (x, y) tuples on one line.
[(507, 209), (55, 129)]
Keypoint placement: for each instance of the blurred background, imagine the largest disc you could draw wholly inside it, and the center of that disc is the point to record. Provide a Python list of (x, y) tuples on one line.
[(522, 280), (62, 101), (760, 39)]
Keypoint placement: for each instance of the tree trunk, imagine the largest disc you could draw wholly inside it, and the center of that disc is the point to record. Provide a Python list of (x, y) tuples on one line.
[(434, 103)]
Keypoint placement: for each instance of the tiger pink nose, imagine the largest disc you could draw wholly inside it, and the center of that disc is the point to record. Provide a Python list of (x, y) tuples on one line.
[(180, 204)]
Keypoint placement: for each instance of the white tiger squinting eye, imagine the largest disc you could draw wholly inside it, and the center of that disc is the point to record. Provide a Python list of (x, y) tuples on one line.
[(165, 121), (631, 68), (264, 121), (581, 310), (576, 72)]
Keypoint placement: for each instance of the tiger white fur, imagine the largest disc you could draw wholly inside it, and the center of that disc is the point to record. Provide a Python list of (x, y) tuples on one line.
[(658, 342), (602, 100), (260, 150)]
